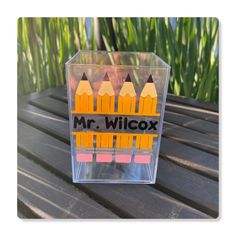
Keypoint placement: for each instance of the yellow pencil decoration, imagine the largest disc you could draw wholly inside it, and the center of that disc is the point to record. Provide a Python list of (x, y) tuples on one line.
[(84, 96), (126, 105), (147, 106), (84, 103), (105, 103)]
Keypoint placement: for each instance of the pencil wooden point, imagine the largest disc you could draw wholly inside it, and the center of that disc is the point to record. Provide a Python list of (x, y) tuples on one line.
[(106, 77), (150, 80), (84, 77), (128, 78)]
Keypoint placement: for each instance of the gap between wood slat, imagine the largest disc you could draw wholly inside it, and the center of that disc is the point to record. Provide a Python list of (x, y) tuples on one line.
[(62, 99), (188, 167), (192, 146), (202, 126), (46, 109), (192, 102), (23, 209), (185, 110), (46, 131)]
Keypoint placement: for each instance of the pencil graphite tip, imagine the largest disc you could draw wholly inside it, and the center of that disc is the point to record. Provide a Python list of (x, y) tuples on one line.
[(150, 80), (84, 77), (128, 78), (106, 78)]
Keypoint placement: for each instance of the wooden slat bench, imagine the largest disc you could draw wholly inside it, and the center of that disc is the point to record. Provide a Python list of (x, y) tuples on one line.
[(187, 180)]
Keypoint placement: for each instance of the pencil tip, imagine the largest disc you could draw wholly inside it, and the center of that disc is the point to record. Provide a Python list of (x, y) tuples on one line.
[(150, 80), (128, 78), (106, 78), (84, 77)]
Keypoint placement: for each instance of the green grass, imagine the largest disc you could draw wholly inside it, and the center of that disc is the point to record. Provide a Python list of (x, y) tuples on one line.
[(188, 45)]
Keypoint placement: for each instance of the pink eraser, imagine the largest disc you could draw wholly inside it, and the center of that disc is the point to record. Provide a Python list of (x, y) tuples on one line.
[(123, 158), (84, 157), (141, 158), (104, 158)]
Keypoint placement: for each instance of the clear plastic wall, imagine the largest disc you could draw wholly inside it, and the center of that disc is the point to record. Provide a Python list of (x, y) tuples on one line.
[(116, 104)]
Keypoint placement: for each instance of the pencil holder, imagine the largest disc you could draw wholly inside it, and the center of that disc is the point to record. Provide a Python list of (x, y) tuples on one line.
[(116, 104)]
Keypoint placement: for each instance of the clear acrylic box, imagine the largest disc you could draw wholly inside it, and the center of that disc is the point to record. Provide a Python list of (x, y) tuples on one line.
[(116, 103)]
